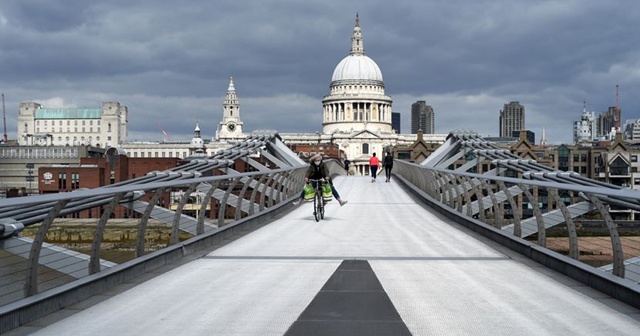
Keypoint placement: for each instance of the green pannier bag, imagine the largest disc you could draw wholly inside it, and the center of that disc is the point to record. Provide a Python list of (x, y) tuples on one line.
[(309, 192), (327, 196)]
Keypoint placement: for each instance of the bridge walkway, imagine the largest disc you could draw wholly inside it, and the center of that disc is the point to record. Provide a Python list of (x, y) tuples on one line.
[(380, 265)]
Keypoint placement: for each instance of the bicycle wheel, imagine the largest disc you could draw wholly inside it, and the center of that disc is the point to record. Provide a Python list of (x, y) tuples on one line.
[(317, 203), (321, 208)]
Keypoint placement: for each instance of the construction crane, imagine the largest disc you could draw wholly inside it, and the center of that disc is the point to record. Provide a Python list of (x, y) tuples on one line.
[(166, 135), (617, 114), (4, 119)]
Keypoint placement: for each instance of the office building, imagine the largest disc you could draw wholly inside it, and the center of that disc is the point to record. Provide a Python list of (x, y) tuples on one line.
[(395, 122), (511, 118), (422, 118)]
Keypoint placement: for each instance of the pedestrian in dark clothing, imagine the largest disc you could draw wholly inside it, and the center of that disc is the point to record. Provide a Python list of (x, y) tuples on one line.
[(388, 165), (346, 165)]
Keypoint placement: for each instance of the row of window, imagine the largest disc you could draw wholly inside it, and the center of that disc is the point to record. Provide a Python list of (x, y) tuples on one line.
[(38, 153), (583, 158), (26, 127), (60, 122), (351, 88), (160, 154), (62, 181), (75, 130)]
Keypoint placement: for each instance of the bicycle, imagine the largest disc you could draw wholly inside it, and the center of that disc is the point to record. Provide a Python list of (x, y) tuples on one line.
[(318, 201)]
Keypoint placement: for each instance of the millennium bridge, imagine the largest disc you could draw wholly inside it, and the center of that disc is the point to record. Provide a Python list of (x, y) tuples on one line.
[(440, 250)]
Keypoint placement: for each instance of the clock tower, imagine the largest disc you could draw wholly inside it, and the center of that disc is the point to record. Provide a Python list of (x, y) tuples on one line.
[(231, 125)]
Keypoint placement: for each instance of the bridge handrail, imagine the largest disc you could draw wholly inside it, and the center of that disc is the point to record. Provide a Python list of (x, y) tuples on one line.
[(199, 199), (485, 197)]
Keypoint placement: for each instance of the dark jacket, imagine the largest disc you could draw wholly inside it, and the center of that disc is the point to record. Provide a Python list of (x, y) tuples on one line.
[(317, 172), (388, 161)]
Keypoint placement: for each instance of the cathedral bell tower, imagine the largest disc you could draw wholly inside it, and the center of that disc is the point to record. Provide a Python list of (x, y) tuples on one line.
[(231, 125)]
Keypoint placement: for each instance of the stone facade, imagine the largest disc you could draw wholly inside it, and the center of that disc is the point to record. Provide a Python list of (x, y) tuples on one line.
[(99, 127)]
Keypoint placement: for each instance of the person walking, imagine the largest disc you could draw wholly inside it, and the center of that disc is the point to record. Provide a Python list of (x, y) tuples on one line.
[(373, 166), (388, 165), (346, 165)]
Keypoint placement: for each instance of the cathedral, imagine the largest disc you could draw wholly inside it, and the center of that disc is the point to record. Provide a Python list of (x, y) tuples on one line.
[(356, 114)]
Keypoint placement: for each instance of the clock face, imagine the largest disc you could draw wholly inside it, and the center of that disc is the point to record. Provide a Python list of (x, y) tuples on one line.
[(231, 127)]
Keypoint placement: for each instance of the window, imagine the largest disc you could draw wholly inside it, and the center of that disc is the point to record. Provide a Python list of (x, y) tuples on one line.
[(75, 181), (62, 181), (365, 148), (634, 158), (618, 167)]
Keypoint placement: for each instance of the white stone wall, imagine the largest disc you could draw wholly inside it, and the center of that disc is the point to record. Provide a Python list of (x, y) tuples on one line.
[(109, 130)]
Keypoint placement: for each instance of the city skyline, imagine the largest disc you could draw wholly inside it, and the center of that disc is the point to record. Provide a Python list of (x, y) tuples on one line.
[(170, 64)]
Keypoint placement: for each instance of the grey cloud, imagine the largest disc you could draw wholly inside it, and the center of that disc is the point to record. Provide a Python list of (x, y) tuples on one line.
[(170, 62)]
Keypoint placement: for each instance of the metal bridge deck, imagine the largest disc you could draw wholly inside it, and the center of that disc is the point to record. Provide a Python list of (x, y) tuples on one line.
[(441, 280)]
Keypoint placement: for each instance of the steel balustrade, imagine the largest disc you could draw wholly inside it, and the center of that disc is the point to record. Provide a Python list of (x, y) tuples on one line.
[(448, 176), (277, 177)]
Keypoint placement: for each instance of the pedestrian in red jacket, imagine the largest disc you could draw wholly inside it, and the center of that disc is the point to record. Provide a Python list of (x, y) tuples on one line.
[(373, 166)]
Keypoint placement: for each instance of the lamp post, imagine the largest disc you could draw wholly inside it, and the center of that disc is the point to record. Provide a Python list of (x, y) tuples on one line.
[(30, 180)]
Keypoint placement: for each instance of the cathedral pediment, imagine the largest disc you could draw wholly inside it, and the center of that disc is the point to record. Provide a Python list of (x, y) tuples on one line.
[(365, 134)]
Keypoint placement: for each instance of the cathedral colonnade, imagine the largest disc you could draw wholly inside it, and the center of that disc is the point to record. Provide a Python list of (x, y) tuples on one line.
[(357, 111)]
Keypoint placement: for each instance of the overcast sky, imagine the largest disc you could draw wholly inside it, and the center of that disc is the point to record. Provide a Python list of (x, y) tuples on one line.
[(170, 61)]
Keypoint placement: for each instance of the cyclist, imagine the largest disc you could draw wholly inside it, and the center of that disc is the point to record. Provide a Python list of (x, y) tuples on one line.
[(318, 170)]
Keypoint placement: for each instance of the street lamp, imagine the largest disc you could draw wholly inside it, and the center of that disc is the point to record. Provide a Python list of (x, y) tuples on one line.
[(30, 180), (30, 167)]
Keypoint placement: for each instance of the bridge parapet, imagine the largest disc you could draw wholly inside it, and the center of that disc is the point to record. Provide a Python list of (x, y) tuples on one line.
[(198, 200), (528, 200)]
